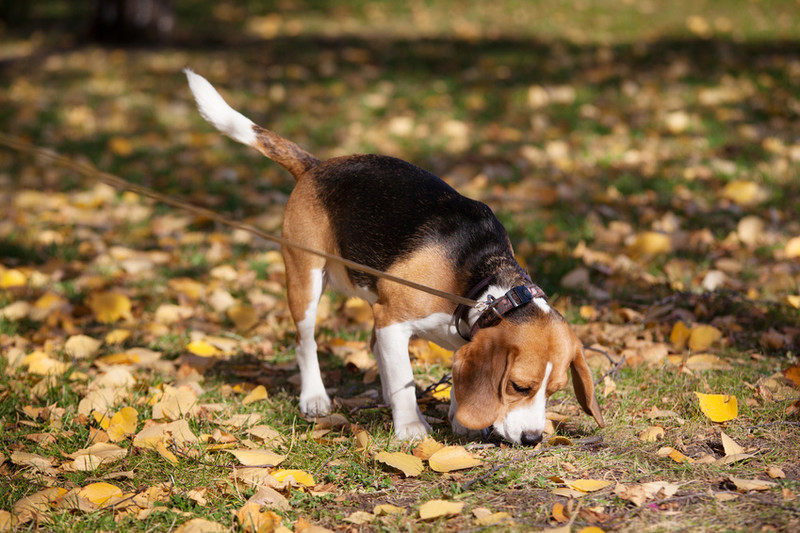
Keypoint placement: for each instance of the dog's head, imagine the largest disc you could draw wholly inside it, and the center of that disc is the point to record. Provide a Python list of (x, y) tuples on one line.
[(504, 375)]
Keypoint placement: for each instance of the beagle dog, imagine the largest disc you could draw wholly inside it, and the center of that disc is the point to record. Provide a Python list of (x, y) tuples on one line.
[(390, 215)]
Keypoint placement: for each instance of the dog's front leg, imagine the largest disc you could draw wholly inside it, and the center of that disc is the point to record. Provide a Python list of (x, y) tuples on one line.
[(397, 379)]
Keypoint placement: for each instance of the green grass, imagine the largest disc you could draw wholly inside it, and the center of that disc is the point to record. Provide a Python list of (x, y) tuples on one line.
[(342, 78)]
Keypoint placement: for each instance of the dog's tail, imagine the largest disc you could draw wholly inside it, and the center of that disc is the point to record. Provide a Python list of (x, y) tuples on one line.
[(240, 128)]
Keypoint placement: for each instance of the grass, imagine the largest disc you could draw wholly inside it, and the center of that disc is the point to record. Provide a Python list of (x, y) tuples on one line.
[(556, 114)]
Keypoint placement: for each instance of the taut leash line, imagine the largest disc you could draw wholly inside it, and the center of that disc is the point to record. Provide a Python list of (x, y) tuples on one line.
[(88, 170)]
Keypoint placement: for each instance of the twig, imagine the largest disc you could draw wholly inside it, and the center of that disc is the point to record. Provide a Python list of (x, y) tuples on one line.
[(613, 370), (430, 388), (328, 460), (779, 422)]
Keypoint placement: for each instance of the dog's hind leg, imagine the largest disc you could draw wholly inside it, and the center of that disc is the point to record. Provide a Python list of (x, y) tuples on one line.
[(304, 287)]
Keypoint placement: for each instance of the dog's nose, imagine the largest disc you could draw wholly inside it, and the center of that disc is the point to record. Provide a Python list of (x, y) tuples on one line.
[(529, 438)]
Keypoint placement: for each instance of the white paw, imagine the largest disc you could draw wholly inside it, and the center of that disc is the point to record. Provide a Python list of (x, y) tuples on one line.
[(412, 430), (315, 405)]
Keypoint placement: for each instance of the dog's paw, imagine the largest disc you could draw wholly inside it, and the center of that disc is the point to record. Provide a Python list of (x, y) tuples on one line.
[(315, 405), (412, 431)]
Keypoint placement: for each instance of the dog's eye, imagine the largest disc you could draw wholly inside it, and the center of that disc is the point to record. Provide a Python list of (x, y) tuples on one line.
[(521, 390)]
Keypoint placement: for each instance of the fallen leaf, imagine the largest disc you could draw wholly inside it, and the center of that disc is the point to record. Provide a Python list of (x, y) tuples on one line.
[(12, 278), (588, 485), (426, 448), (729, 445), (452, 458), (88, 459), (81, 346), (122, 424), (679, 335), (558, 513), (718, 407), (745, 485), (260, 458), (201, 525), (300, 477), (268, 497), (675, 455), (702, 337), (117, 336), (744, 192), (254, 520), (100, 492), (203, 349), (439, 508), (243, 317), (408, 464), (387, 508), (776, 473), (109, 307), (360, 518), (256, 395), (652, 434)]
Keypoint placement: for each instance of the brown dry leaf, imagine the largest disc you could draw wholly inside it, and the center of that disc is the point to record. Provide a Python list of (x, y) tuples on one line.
[(201, 525), (776, 473), (256, 395), (364, 441), (41, 364), (652, 434), (360, 518), (263, 432), (426, 448), (261, 458), (745, 485), (743, 192), (117, 336), (793, 375), (792, 249), (81, 346), (177, 432), (7, 522), (439, 508), (485, 518), (409, 465), (33, 460), (358, 311), (718, 407), (254, 520), (451, 458), (706, 361), (729, 445), (650, 243)]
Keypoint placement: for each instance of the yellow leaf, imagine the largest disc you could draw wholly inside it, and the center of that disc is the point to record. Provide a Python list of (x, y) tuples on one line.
[(81, 346), (452, 458), (120, 146), (743, 192), (387, 508), (300, 477), (122, 424), (161, 447), (254, 520), (588, 485), (718, 407), (792, 249), (109, 307), (494, 519), (442, 391), (438, 508), (652, 434), (793, 300), (702, 337), (559, 441), (675, 455), (176, 403), (706, 361), (201, 525), (117, 336), (730, 446), (255, 395), (408, 464), (430, 353), (426, 448), (243, 317), (558, 513), (188, 287), (363, 441), (591, 529), (680, 334), (102, 420), (41, 364), (12, 278), (261, 458), (203, 349), (7, 521), (650, 243), (91, 458), (99, 493), (358, 311)]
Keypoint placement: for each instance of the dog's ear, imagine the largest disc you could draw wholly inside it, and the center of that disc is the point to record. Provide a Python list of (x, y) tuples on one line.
[(584, 387), (478, 370)]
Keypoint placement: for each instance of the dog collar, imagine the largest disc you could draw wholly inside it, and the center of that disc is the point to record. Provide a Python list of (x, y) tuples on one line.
[(494, 309)]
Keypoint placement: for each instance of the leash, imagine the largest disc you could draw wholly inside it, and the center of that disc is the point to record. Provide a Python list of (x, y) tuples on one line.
[(88, 170)]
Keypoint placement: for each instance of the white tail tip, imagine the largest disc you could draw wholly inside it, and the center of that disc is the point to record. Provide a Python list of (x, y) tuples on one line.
[(214, 109)]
